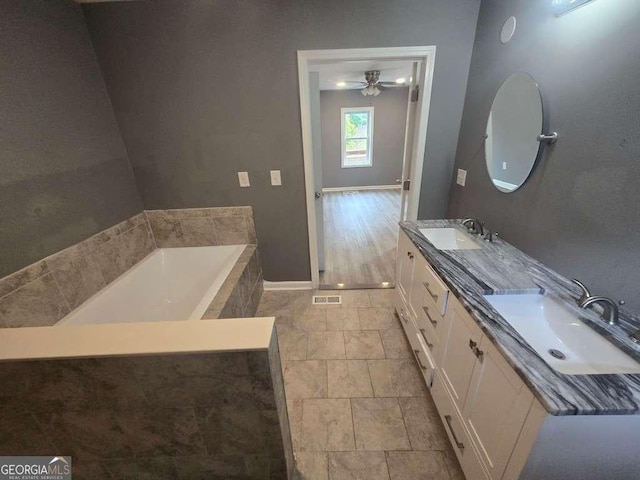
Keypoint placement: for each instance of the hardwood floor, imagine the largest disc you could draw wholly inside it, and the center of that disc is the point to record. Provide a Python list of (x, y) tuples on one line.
[(360, 236)]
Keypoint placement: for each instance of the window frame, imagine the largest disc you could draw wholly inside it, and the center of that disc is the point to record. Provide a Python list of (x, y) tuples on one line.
[(343, 112)]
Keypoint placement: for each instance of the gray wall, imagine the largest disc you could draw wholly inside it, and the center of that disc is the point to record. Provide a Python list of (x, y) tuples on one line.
[(579, 211), (203, 89), (389, 121), (65, 173)]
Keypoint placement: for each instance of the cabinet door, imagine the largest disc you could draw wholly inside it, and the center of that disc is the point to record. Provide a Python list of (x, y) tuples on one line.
[(495, 408), (454, 426), (457, 349), (405, 260)]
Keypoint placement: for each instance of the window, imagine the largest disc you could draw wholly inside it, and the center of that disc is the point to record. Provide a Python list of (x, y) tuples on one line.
[(357, 137)]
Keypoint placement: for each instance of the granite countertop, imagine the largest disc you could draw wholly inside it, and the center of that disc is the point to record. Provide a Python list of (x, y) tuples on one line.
[(500, 268)]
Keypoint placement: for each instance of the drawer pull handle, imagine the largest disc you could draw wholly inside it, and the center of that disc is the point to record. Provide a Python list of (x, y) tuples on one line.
[(476, 351), (422, 366), (459, 444), (433, 295), (430, 345), (404, 319), (426, 312)]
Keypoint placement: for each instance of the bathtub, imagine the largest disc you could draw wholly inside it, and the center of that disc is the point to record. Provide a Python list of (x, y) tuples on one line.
[(169, 284)]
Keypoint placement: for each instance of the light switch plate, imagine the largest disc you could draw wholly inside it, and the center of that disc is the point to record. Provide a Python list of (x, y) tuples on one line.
[(243, 177), (462, 177), (276, 179)]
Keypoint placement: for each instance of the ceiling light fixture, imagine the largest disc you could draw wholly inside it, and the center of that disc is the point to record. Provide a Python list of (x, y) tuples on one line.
[(341, 84), (370, 90), (400, 81), (562, 7)]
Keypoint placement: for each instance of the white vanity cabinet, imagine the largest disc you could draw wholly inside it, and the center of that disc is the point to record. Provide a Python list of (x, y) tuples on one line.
[(482, 402), (495, 408), (498, 430), (457, 354)]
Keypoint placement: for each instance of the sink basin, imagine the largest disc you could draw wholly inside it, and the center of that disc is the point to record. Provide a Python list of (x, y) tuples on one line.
[(564, 342), (449, 239)]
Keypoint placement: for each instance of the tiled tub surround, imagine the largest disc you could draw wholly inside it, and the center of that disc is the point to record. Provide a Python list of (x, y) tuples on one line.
[(170, 400), (500, 268), (199, 227), (46, 291), (240, 294)]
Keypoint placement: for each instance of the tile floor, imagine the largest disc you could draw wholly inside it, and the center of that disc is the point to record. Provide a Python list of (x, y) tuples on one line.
[(358, 406)]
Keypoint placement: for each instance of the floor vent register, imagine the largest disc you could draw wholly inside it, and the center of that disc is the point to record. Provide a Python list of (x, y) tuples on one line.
[(326, 300)]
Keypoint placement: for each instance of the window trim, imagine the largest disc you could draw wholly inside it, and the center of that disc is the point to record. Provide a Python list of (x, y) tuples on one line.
[(344, 111)]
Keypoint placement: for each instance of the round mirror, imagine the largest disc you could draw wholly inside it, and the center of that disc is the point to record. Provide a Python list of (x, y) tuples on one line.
[(515, 121)]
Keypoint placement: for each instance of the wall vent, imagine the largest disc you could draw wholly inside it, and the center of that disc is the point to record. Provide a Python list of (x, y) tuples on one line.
[(326, 300)]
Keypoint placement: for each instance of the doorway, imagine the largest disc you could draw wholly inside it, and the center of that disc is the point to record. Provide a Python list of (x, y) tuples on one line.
[(359, 192)]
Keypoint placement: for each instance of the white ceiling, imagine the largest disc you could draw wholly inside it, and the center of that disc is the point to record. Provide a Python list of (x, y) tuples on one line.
[(331, 73)]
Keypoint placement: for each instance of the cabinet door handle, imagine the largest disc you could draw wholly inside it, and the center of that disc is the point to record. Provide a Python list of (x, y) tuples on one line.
[(433, 295), (459, 444), (422, 366), (411, 256), (404, 319), (476, 351), (426, 312), (430, 345)]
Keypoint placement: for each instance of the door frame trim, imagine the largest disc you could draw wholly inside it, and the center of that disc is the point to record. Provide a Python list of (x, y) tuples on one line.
[(425, 54)]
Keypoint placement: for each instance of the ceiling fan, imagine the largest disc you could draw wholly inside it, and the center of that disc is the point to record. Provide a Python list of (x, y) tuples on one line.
[(372, 84)]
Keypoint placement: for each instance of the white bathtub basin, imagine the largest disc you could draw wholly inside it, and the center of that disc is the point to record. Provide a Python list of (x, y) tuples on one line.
[(170, 284), (548, 325), (449, 239)]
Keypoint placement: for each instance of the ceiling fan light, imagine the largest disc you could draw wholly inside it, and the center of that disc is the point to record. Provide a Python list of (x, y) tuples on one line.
[(376, 91)]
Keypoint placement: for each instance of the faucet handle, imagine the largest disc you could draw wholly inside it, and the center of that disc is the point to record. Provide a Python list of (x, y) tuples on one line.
[(585, 291)]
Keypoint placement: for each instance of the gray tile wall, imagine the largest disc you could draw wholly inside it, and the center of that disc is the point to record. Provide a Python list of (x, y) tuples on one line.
[(199, 227), (240, 294), (163, 416), (46, 291)]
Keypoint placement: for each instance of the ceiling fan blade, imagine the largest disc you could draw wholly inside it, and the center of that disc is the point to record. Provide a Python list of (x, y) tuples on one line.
[(391, 84)]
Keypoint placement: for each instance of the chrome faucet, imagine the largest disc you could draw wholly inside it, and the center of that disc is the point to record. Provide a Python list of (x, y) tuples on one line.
[(585, 291), (473, 225), (610, 313)]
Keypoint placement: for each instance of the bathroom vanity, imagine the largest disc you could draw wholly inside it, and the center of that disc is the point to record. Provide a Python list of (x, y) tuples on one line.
[(512, 408)]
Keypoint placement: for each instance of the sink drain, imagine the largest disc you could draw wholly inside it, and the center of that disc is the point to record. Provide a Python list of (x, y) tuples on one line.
[(557, 354)]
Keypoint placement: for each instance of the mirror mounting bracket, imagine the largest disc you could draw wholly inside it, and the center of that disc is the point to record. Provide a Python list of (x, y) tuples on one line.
[(553, 138)]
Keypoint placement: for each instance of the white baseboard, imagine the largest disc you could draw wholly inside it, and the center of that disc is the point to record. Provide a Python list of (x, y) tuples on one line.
[(366, 187), (301, 285)]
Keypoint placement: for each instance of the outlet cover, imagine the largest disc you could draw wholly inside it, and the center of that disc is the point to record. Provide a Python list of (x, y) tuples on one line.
[(462, 177), (276, 179), (243, 178)]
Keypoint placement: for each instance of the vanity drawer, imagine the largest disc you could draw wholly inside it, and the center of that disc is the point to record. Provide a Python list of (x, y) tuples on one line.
[(421, 353), (424, 358), (428, 319), (463, 447), (428, 282)]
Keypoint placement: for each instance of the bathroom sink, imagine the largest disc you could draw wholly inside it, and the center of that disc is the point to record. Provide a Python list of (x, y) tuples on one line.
[(564, 342), (449, 239)]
